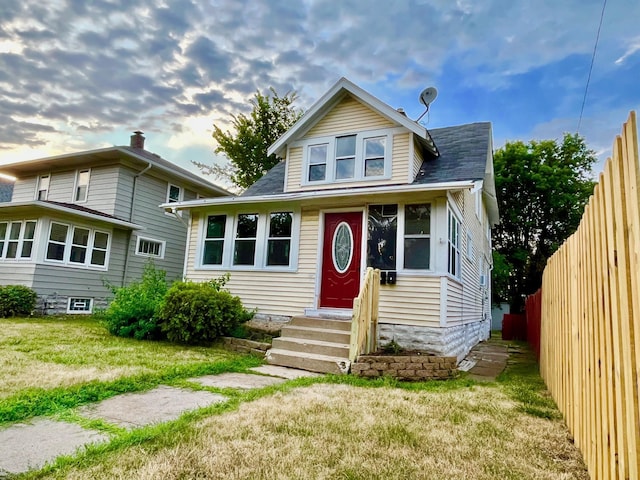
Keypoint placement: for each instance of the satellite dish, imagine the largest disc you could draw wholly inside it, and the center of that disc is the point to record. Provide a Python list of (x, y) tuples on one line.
[(428, 95)]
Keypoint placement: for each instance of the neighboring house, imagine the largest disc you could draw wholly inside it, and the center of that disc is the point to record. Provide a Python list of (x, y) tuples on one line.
[(79, 220), (362, 185)]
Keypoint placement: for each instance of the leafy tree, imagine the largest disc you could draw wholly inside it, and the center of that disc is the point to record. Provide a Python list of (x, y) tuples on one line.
[(246, 149), (542, 188)]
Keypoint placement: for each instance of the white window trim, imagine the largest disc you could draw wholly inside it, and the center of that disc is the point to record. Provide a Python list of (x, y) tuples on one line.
[(458, 274), (153, 240), (400, 240), (267, 238), (180, 197), (330, 141), (20, 240), (39, 183), (75, 186), (87, 265), (79, 312), (260, 255)]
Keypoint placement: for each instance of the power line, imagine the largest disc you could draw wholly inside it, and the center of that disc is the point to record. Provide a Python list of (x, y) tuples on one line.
[(593, 57)]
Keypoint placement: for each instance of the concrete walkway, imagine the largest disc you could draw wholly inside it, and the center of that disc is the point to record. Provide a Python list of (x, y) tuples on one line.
[(486, 360), (31, 445)]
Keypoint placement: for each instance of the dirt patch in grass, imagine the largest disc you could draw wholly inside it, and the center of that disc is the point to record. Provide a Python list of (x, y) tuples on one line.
[(347, 432)]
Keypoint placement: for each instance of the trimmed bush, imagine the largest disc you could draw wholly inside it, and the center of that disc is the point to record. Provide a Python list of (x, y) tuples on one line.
[(132, 313), (16, 300), (197, 313)]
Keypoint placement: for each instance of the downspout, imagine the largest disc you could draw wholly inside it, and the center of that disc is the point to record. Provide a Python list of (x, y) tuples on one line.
[(132, 210)]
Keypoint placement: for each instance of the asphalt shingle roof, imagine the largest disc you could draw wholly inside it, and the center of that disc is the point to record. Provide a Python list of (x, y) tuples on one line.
[(463, 156), (6, 190)]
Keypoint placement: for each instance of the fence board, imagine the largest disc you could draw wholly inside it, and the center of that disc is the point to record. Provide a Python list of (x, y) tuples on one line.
[(590, 319)]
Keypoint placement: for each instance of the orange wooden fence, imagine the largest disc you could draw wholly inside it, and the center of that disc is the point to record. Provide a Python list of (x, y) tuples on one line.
[(590, 332)]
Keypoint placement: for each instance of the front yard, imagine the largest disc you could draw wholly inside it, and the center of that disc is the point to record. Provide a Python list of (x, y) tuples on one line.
[(329, 427)]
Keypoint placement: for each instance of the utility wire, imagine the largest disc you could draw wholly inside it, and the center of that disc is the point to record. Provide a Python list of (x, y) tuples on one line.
[(593, 57)]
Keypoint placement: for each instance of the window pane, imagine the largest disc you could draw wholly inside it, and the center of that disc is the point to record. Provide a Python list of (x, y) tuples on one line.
[(317, 172), (212, 252), (81, 194), (12, 249), (247, 226), (101, 240), (216, 226), (174, 193), (280, 224), (55, 252), (278, 252), (3, 230), (374, 147), (14, 233), (98, 257), (416, 253), (417, 219), (29, 230), (346, 146), (345, 168), (58, 232), (374, 168), (244, 252), (318, 154), (381, 238), (27, 245), (78, 254), (80, 236)]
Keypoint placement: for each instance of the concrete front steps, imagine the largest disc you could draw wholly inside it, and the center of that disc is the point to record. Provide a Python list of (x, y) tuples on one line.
[(313, 344)]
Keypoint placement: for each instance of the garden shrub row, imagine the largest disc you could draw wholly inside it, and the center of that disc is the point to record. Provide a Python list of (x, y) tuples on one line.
[(16, 300), (187, 312)]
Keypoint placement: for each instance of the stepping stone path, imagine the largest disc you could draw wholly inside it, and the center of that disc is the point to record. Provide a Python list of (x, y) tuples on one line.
[(30, 445)]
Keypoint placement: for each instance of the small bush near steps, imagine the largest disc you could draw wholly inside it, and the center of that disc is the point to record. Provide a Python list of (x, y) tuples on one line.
[(16, 300), (200, 312)]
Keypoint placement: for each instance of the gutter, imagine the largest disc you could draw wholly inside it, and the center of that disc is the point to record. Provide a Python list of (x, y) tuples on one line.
[(132, 210)]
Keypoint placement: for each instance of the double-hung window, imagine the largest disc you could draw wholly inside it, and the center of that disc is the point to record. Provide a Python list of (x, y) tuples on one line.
[(244, 249), (82, 186), (174, 194), (453, 245), (279, 240), (77, 246), (417, 236), (357, 157), (16, 239), (214, 240), (43, 187)]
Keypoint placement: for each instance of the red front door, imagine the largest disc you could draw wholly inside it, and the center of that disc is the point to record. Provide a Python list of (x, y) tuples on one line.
[(341, 250)]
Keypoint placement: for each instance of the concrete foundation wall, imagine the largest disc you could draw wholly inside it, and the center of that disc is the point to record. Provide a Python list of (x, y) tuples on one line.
[(455, 341)]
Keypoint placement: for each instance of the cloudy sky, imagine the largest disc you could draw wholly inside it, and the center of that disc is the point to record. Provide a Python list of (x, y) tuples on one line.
[(83, 74)]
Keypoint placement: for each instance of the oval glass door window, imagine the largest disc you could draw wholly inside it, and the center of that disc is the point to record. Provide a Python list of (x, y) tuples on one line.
[(342, 247)]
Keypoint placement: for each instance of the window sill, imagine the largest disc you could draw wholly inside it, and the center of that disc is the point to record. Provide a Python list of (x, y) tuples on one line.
[(245, 268), (76, 267)]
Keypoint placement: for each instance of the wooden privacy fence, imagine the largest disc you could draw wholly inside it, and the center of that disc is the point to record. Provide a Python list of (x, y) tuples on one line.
[(533, 309), (590, 333), (364, 322)]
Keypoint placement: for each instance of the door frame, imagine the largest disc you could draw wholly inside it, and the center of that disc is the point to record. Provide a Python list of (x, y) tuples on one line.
[(363, 246)]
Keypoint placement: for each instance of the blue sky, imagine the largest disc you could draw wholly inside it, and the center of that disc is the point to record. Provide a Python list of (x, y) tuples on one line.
[(79, 74)]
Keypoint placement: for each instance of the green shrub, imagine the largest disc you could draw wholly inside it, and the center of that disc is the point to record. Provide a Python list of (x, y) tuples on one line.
[(197, 313), (132, 313), (16, 300)]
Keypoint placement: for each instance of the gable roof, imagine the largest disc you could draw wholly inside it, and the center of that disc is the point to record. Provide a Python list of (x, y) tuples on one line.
[(463, 157), (6, 190), (336, 93), (137, 155)]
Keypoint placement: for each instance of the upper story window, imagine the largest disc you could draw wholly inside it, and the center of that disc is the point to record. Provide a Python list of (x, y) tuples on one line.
[(77, 246), (42, 193), (362, 156), (174, 194), (16, 239), (82, 186)]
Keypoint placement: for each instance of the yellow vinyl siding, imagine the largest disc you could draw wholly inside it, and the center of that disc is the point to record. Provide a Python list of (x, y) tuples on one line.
[(400, 158), (348, 116), (417, 160), (414, 300), (294, 169)]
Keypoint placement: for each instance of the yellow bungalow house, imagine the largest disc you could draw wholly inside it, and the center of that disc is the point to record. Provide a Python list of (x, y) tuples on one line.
[(359, 185)]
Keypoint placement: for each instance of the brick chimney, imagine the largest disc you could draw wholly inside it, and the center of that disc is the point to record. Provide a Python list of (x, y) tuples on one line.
[(137, 140)]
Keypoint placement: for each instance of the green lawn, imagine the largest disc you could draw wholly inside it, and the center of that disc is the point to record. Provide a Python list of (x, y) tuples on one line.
[(334, 427)]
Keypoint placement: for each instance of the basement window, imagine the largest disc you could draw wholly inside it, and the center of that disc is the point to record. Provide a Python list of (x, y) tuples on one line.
[(80, 305)]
